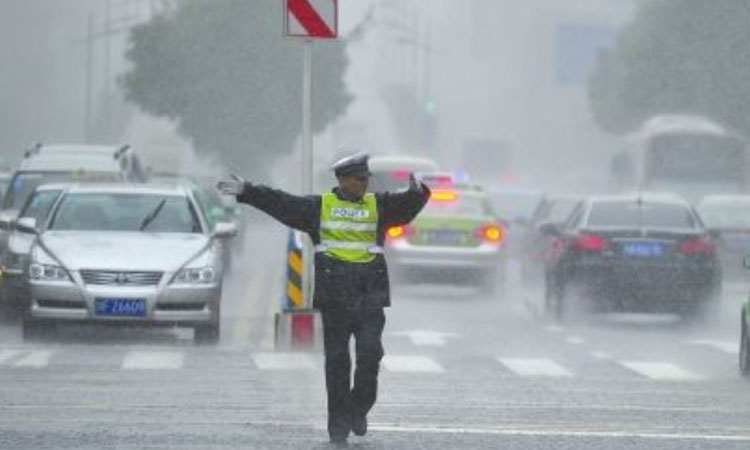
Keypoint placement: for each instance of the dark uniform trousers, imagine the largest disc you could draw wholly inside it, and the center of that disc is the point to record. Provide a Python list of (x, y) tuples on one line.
[(344, 401)]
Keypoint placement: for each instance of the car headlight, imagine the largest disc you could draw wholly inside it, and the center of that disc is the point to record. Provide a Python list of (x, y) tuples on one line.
[(199, 275), (47, 272)]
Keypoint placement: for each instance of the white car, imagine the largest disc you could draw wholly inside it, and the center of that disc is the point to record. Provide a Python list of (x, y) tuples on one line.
[(130, 254)]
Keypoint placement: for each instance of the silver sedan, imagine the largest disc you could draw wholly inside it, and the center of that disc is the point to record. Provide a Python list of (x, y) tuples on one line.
[(126, 254)]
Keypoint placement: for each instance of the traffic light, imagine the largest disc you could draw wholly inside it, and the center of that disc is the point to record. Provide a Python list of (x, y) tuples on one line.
[(430, 106)]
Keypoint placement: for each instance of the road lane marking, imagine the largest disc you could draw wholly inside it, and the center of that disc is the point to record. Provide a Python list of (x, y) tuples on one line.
[(140, 360), (576, 340), (554, 329), (661, 371), (5, 355), (731, 347), (426, 337), (283, 361), (38, 358), (531, 367), (411, 364), (600, 355), (562, 433)]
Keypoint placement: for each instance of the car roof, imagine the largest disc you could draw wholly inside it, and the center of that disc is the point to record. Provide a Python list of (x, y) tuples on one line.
[(725, 199), (650, 197), (70, 162), (126, 188), (77, 148), (395, 162)]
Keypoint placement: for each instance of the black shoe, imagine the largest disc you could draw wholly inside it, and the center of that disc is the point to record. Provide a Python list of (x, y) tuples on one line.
[(359, 425), (338, 441)]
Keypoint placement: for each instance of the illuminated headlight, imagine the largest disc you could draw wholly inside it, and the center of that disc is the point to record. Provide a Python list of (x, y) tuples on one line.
[(45, 272), (202, 275)]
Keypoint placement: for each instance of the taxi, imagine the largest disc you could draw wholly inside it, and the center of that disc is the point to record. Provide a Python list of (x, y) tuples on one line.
[(456, 238)]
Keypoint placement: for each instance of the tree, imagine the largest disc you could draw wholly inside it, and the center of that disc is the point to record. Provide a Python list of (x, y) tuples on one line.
[(677, 56), (225, 72)]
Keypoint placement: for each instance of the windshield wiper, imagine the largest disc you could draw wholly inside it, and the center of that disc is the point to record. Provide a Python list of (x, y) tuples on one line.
[(152, 215)]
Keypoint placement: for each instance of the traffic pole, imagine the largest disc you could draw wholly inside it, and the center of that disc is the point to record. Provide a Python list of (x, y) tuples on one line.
[(302, 323)]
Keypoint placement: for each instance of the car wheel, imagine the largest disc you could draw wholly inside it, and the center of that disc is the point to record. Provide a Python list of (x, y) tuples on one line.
[(207, 334), (744, 350), (554, 300), (32, 330)]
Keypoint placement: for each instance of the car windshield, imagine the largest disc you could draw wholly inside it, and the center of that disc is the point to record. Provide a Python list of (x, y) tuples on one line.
[(559, 210), (125, 212), (39, 204), (456, 204), (726, 215), (640, 214), (515, 205), (24, 183), (390, 181)]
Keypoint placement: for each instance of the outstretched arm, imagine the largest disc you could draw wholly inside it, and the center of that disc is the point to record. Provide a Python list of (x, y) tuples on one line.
[(298, 212), (398, 208)]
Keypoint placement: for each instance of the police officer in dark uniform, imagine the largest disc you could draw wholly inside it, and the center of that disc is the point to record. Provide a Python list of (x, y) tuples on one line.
[(347, 227)]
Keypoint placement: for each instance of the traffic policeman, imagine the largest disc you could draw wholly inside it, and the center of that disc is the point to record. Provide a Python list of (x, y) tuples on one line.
[(347, 226)]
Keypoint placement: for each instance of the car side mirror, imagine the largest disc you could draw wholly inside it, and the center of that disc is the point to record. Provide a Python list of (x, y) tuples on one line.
[(225, 230), (27, 225), (550, 229)]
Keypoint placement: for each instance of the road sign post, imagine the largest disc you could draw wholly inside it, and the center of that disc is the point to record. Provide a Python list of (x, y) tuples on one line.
[(309, 20)]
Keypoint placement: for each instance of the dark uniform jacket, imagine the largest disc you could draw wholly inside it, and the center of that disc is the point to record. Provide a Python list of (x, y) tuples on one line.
[(340, 284)]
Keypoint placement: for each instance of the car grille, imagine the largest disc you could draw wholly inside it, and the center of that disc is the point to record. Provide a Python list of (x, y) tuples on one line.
[(102, 277)]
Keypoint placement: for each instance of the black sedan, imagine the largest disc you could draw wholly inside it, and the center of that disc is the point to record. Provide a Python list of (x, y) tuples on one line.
[(632, 253)]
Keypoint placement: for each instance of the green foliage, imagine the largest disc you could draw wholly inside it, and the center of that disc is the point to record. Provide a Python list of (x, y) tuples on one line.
[(677, 56), (225, 72)]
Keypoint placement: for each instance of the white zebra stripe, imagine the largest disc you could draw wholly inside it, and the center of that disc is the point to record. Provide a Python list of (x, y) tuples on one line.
[(661, 371), (531, 367), (153, 360), (35, 359), (283, 361), (411, 364)]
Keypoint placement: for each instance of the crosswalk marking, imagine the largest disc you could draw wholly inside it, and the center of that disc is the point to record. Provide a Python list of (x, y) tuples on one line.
[(411, 364), (600, 355), (539, 367), (534, 367), (140, 360), (661, 371), (730, 347), (5, 355), (283, 361), (38, 358)]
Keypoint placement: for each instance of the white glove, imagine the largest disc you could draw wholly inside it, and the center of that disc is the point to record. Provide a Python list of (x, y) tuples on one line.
[(414, 185), (235, 186)]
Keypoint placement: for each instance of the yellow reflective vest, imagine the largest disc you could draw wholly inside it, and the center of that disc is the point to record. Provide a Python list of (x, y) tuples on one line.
[(348, 230)]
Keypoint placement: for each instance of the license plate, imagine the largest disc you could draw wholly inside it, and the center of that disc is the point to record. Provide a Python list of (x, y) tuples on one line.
[(444, 237), (120, 307), (643, 249)]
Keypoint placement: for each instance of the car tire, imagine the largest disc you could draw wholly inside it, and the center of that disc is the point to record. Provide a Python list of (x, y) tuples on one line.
[(32, 330), (554, 300), (207, 334), (744, 350)]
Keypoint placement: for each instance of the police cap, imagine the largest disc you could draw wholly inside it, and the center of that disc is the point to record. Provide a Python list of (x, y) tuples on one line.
[(352, 165)]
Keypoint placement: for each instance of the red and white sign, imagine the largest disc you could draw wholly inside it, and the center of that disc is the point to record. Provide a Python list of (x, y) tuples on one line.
[(312, 18)]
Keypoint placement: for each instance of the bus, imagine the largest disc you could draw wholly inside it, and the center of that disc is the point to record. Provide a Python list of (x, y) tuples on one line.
[(688, 155)]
